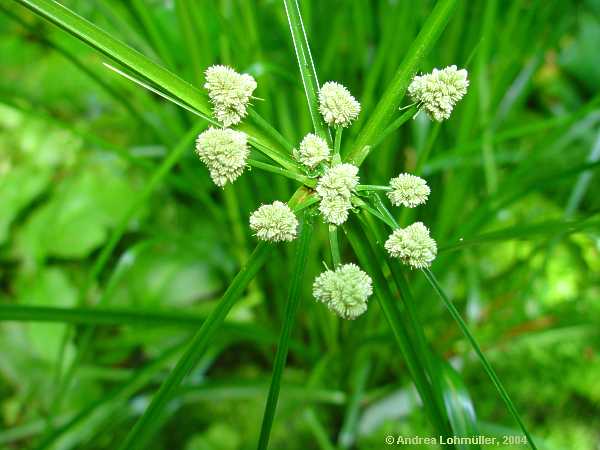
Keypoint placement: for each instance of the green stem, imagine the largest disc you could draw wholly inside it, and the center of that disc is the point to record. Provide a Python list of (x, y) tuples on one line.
[(484, 361), (336, 259), (291, 310), (276, 156), (405, 117), (270, 130), (424, 353), (283, 172), (337, 144), (306, 66), (423, 156), (302, 198), (372, 187)]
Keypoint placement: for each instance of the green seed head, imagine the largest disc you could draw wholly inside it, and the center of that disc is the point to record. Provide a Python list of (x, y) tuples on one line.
[(338, 180), (344, 290), (224, 152), (275, 222), (412, 245), (335, 189), (408, 190), (338, 107), (229, 92), (335, 210), (439, 91), (313, 150)]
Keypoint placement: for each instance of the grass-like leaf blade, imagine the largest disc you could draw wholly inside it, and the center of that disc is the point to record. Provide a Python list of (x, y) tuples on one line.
[(484, 361), (291, 310), (306, 66), (119, 52), (391, 98)]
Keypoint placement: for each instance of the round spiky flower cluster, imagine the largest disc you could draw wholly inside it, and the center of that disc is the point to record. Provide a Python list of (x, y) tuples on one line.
[(229, 92), (408, 190), (338, 107), (439, 91), (412, 245), (275, 222), (335, 189), (224, 152), (313, 151), (344, 290)]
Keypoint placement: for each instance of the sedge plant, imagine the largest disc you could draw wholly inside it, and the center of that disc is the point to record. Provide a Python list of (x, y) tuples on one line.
[(378, 255)]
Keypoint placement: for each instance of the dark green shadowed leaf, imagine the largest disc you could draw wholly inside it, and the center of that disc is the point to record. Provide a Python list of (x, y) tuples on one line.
[(459, 405)]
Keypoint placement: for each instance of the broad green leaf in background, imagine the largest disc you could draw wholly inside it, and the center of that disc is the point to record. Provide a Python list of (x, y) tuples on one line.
[(76, 219), (47, 286), (581, 57), (169, 274), (18, 187)]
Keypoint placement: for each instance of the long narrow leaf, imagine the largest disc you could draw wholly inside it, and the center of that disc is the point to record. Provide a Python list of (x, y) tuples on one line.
[(484, 361), (116, 50), (391, 98), (130, 58), (291, 310), (306, 66), (459, 405)]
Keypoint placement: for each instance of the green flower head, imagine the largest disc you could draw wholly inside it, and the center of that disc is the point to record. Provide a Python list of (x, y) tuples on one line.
[(412, 245), (224, 152), (344, 290), (275, 222), (338, 107), (439, 91), (229, 92)]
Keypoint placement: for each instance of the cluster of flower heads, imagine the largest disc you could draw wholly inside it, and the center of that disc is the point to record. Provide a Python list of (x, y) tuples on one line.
[(224, 151), (408, 190), (439, 91), (335, 189), (412, 245), (229, 92), (345, 289)]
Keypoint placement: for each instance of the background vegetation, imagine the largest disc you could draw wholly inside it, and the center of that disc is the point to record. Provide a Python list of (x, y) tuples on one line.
[(115, 245)]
